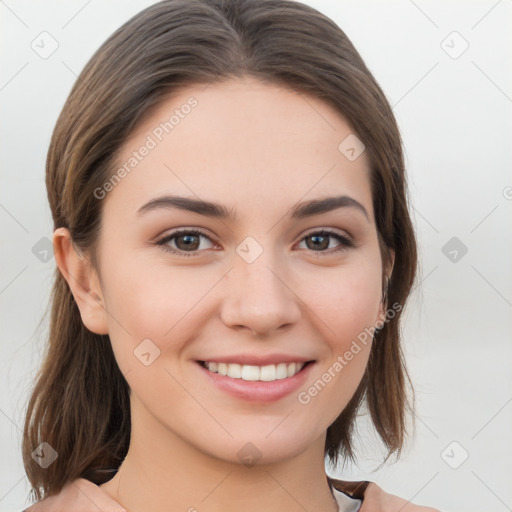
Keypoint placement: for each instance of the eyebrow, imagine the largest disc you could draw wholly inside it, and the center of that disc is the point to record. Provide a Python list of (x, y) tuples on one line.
[(209, 209)]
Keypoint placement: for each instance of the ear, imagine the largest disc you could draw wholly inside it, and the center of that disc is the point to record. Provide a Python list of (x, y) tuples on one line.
[(83, 281), (387, 272)]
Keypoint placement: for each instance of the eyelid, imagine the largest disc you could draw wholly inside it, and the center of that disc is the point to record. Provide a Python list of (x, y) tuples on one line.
[(331, 231), (346, 241), (183, 231)]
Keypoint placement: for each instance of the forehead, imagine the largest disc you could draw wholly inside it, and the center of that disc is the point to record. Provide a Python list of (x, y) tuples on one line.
[(250, 145)]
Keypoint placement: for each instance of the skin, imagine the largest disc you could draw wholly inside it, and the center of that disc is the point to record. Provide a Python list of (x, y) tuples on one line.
[(83, 496), (257, 149)]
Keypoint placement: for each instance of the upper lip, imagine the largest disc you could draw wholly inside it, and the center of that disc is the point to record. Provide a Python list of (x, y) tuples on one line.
[(257, 360)]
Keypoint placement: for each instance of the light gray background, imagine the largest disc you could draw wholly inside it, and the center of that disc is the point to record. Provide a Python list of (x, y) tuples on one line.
[(455, 115)]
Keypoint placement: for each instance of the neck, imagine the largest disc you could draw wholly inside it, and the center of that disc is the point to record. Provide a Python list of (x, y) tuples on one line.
[(163, 472)]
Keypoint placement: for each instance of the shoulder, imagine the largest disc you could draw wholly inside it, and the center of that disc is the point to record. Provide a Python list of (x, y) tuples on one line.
[(81, 495), (377, 500), (374, 499)]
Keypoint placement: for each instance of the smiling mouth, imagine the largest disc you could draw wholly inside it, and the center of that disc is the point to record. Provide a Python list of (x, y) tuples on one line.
[(267, 373)]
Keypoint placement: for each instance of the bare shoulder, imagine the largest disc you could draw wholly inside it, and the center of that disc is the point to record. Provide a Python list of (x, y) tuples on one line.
[(377, 500), (78, 496)]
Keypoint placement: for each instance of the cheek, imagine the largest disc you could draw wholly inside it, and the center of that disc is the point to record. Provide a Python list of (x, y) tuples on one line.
[(148, 301), (345, 300), (345, 303)]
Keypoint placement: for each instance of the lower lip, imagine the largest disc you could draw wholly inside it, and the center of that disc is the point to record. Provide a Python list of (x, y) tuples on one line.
[(255, 390)]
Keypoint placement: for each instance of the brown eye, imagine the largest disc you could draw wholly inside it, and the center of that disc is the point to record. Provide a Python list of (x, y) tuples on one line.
[(184, 242), (189, 241), (320, 241)]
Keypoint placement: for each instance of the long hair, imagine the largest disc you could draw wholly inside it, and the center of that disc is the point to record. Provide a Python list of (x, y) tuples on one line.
[(80, 403)]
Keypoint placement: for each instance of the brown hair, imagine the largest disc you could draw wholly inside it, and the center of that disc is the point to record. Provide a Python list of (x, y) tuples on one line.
[(80, 404)]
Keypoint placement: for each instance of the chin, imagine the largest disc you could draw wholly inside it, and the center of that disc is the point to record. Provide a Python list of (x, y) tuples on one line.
[(260, 450)]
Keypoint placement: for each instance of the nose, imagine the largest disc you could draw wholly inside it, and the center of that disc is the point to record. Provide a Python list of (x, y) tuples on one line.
[(259, 297)]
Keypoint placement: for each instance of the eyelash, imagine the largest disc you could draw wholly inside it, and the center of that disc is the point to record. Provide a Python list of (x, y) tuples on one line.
[(345, 242)]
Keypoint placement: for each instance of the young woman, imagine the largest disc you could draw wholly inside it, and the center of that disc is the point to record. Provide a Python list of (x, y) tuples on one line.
[(234, 254)]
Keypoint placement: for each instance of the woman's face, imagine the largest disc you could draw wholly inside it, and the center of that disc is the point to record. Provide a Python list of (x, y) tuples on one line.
[(255, 287)]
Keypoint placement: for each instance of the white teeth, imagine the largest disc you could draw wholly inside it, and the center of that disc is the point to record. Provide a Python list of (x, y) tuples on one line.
[(281, 371), (250, 372), (234, 371), (267, 373)]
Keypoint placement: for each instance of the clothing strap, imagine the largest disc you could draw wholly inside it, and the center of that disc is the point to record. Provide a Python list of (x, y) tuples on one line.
[(354, 490)]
